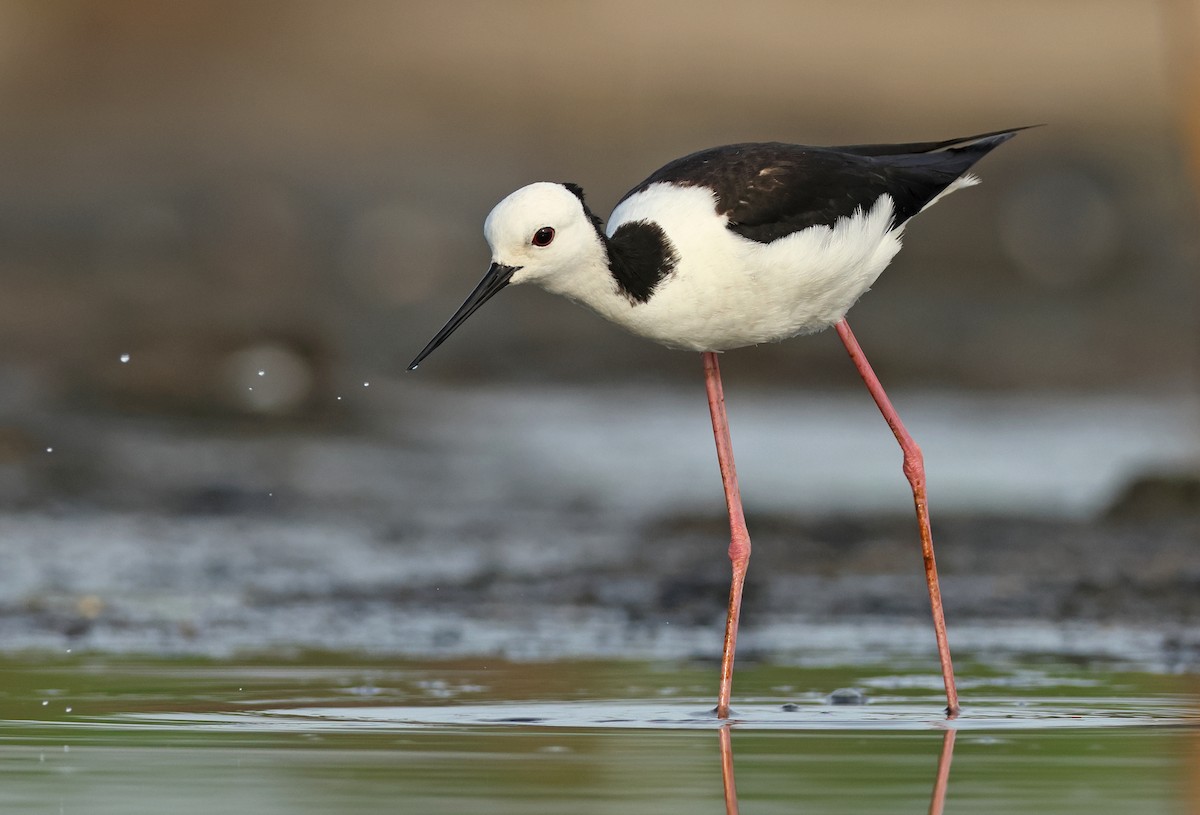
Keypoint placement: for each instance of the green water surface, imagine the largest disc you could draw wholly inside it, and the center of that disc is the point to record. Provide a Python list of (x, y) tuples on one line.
[(334, 733)]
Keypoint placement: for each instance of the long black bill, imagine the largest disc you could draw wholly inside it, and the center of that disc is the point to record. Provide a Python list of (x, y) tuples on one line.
[(497, 277)]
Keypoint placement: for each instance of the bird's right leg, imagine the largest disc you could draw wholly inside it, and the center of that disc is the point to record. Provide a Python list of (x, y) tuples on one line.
[(739, 543)]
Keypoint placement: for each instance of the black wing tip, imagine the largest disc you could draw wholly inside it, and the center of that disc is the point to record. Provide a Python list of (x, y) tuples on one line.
[(989, 140), (979, 142)]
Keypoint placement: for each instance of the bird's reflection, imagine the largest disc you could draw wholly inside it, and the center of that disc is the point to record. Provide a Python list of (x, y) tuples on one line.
[(937, 798)]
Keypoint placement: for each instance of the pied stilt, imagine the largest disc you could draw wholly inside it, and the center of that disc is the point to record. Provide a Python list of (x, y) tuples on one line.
[(734, 246)]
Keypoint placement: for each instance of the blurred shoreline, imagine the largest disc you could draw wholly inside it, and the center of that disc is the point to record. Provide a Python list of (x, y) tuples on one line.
[(554, 522)]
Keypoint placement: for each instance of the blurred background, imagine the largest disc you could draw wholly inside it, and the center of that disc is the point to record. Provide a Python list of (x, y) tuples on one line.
[(226, 227)]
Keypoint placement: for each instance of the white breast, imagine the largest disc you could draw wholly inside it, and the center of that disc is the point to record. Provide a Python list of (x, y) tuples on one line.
[(728, 291)]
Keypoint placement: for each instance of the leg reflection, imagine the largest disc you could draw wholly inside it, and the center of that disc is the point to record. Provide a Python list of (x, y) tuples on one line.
[(731, 803), (942, 780), (937, 800)]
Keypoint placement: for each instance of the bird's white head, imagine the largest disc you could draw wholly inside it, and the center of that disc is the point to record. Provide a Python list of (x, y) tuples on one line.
[(543, 232), (539, 234)]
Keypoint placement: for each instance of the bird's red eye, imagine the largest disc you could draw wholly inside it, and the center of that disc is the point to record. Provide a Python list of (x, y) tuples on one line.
[(543, 236)]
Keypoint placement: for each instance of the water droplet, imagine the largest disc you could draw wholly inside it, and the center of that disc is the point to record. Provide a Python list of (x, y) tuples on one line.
[(124, 357), (290, 382)]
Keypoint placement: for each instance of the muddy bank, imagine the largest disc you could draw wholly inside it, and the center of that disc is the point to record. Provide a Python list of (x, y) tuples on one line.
[(835, 589)]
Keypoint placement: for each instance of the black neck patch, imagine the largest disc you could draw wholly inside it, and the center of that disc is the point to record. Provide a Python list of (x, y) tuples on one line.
[(640, 256)]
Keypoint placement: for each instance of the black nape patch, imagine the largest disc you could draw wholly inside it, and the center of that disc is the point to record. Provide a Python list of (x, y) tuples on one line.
[(640, 256), (597, 224)]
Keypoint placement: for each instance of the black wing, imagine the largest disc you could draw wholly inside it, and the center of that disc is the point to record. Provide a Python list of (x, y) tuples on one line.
[(770, 190)]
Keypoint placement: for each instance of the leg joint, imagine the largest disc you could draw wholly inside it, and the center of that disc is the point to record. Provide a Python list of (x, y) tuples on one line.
[(739, 550), (914, 464)]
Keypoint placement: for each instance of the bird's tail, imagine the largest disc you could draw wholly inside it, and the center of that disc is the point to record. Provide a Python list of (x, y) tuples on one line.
[(923, 173)]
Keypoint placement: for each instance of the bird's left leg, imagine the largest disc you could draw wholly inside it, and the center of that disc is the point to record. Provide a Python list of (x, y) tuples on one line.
[(914, 470), (739, 543)]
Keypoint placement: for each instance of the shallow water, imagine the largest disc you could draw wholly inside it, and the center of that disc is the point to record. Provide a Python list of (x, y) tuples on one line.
[(338, 733)]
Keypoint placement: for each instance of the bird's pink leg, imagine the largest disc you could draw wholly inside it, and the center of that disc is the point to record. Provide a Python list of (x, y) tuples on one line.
[(914, 470), (739, 544)]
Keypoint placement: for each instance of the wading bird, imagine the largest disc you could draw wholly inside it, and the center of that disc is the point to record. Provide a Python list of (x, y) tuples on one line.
[(735, 246)]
